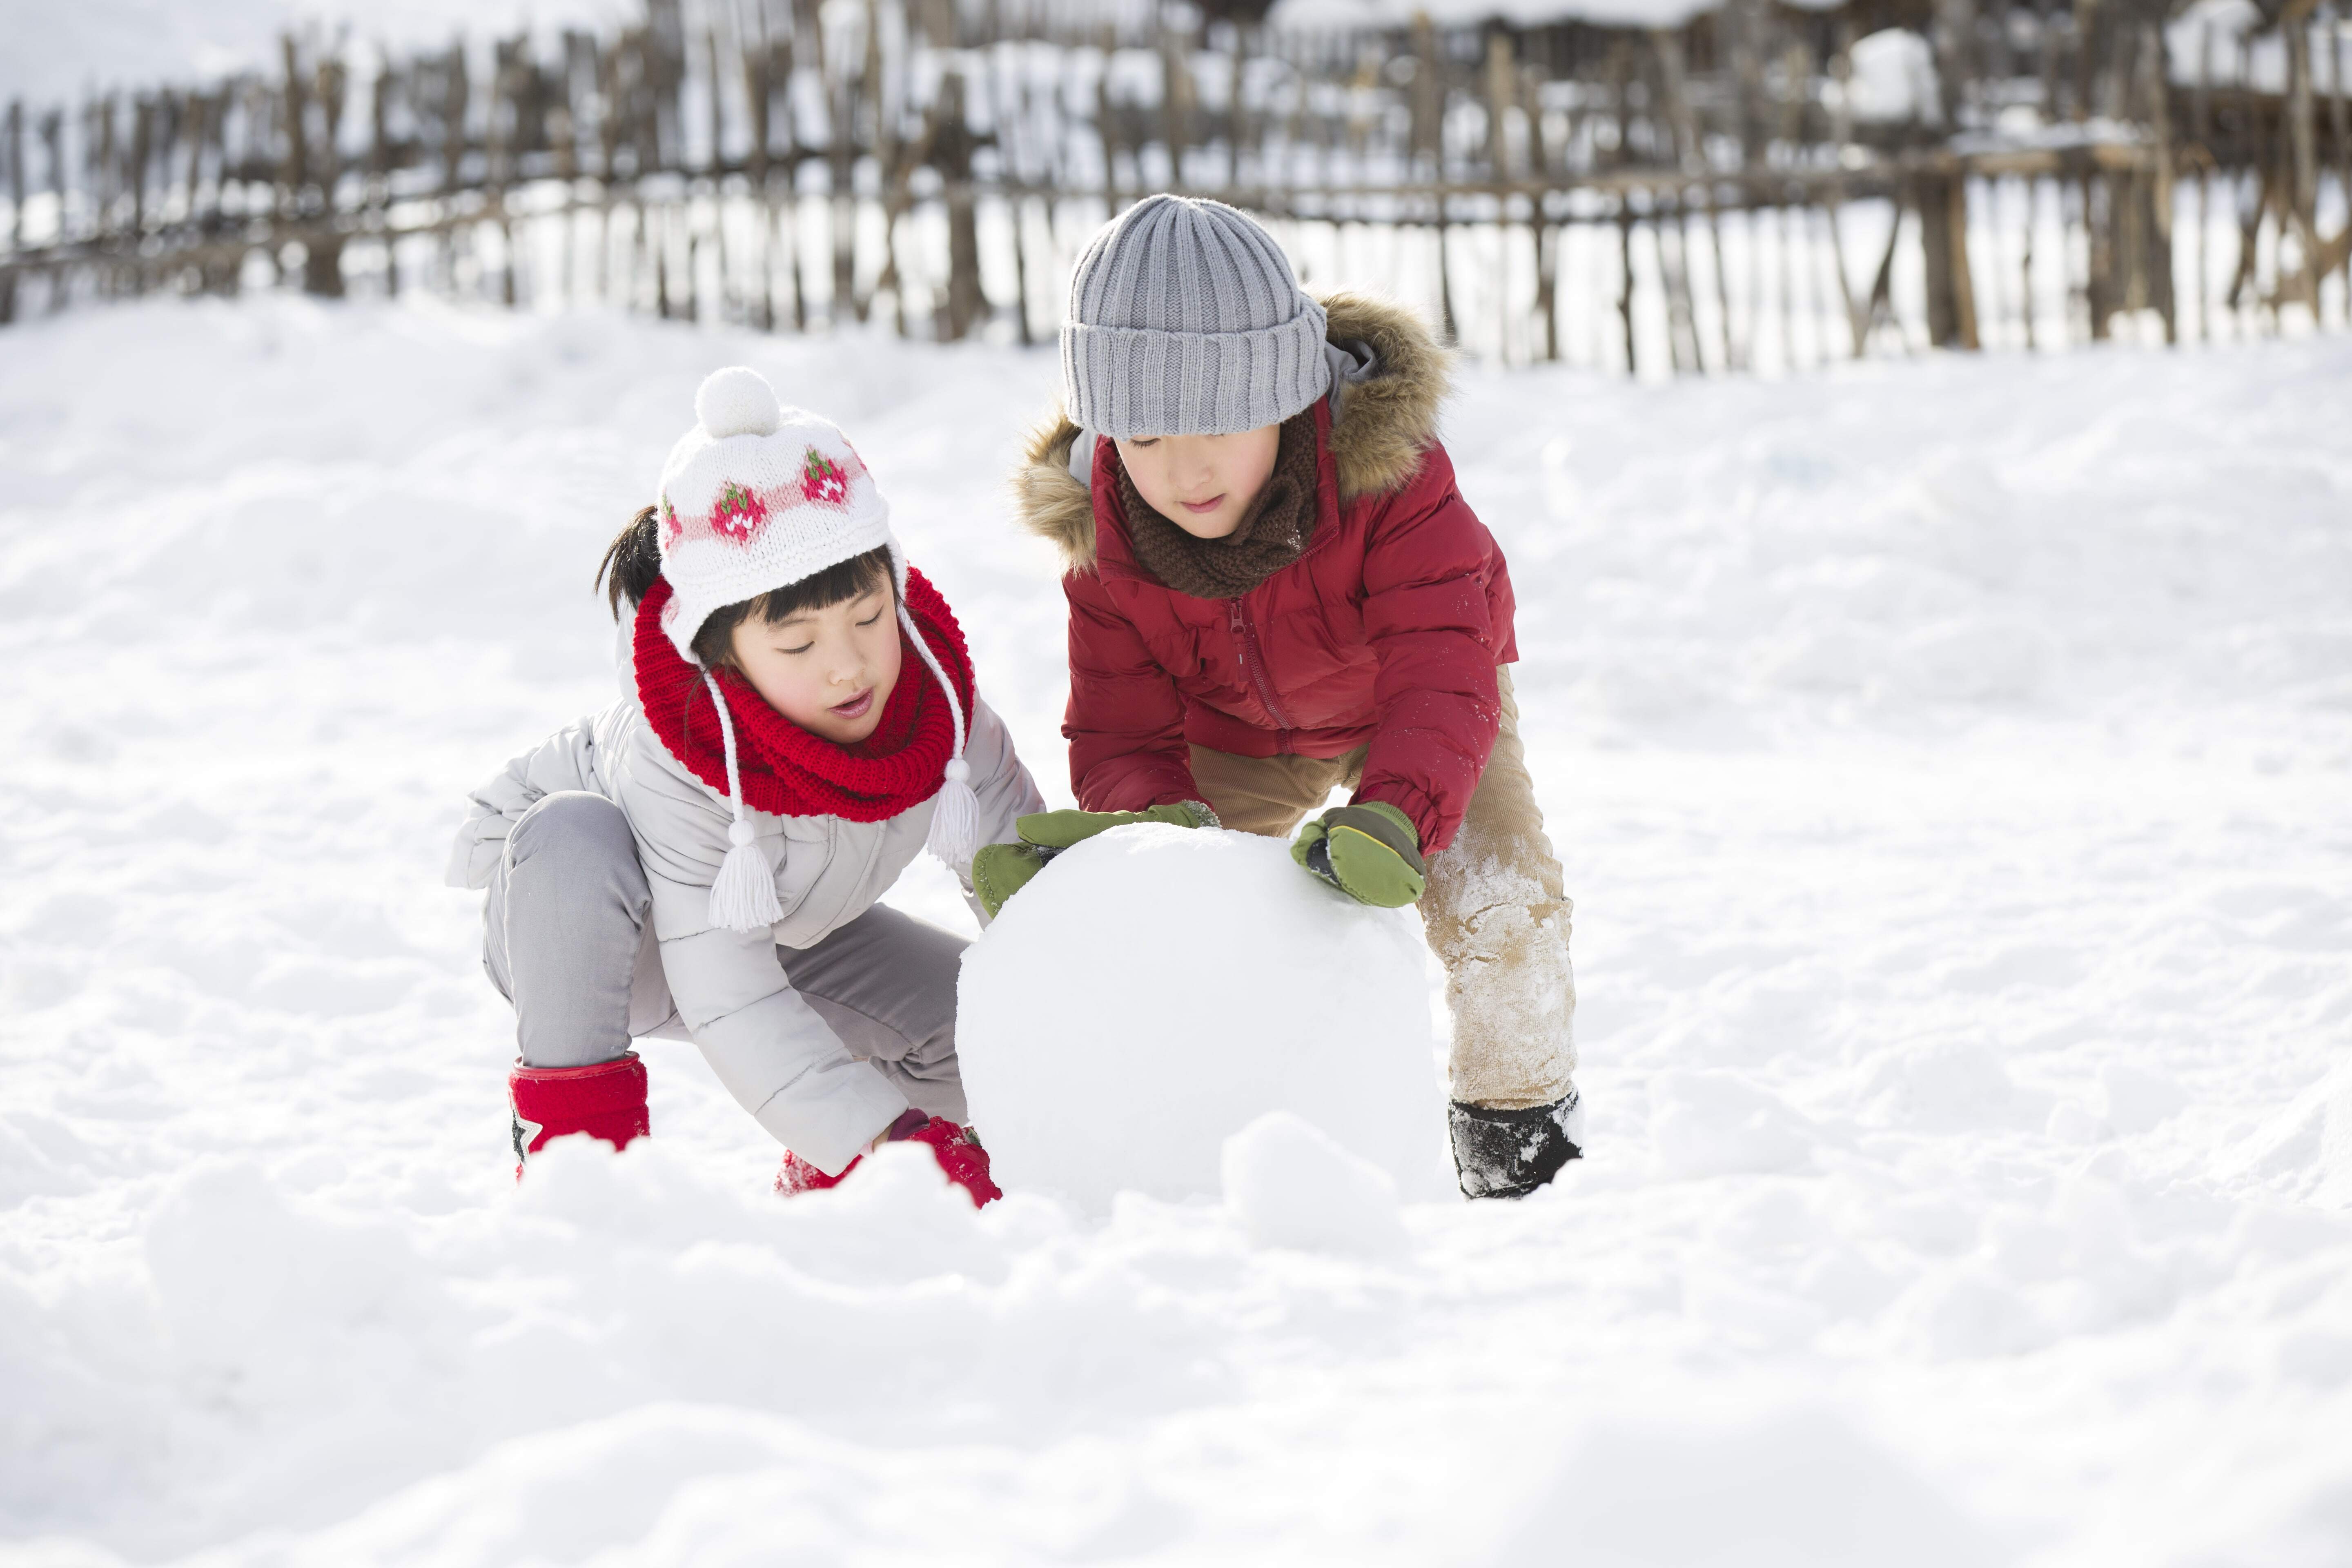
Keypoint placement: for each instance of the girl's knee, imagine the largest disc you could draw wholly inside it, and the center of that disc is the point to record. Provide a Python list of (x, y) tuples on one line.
[(572, 820)]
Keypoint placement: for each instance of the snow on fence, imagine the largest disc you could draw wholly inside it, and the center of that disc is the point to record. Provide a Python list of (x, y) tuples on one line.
[(1757, 186)]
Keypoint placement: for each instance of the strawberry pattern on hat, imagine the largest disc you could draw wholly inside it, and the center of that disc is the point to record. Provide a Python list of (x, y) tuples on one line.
[(822, 479), (738, 514)]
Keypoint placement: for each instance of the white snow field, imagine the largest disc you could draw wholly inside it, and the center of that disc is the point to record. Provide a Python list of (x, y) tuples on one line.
[(1952, 761)]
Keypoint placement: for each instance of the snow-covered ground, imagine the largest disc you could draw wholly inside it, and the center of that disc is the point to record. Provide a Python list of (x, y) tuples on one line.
[(1951, 759)]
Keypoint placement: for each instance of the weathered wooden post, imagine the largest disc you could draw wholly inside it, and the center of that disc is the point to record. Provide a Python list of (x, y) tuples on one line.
[(501, 144), (293, 167), (378, 199), (2201, 121), (841, 159), (1178, 97), (2302, 145), (455, 98), (1428, 152), (53, 144), (753, 59), (2341, 123), (953, 144), (720, 309), (1625, 278), (322, 265), (16, 209), (1942, 200), (2339, 120), (2156, 263), (135, 160)]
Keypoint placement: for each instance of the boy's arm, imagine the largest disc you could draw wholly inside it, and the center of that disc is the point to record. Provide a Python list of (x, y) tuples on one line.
[(1126, 721), (1427, 617)]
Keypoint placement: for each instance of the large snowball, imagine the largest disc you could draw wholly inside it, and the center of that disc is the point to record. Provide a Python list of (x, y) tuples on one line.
[(1156, 989)]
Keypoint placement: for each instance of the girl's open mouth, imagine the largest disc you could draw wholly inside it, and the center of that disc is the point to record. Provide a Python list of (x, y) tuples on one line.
[(1203, 508), (856, 706)]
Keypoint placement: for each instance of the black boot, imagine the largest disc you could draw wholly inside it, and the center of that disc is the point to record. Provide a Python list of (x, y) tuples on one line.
[(1510, 1153)]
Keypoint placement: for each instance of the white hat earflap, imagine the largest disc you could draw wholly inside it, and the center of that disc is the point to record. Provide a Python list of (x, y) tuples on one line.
[(743, 894), (955, 814)]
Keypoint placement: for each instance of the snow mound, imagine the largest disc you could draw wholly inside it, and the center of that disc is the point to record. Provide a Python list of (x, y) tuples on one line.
[(1809, 1489), (1293, 1186), (1158, 988)]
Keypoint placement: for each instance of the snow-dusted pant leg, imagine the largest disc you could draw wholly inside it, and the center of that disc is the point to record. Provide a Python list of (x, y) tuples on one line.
[(565, 920), (887, 983), (1494, 910), (1497, 917)]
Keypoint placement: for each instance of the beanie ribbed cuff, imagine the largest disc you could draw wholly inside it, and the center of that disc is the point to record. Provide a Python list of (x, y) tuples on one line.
[(1130, 381)]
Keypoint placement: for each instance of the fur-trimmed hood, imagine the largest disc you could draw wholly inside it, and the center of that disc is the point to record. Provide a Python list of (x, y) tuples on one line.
[(1385, 422)]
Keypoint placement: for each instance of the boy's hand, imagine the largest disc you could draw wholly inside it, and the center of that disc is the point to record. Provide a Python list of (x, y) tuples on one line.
[(1001, 870), (1369, 852), (1061, 829)]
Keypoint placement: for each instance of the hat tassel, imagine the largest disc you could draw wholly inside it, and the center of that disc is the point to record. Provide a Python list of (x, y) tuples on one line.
[(743, 895)]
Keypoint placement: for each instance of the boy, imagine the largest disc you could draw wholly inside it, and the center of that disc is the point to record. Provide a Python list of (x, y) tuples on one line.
[(1276, 591)]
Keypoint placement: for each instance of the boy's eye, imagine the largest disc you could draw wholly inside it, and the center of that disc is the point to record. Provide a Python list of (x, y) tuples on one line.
[(1143, 441)]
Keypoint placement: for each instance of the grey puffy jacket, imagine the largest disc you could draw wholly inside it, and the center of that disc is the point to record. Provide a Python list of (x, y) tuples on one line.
[(724, 989)]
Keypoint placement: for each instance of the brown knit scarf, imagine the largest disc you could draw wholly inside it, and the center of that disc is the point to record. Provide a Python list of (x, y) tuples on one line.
[(1273, 533)]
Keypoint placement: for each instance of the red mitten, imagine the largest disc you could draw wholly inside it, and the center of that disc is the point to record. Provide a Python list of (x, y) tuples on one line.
[(603, 1099), (958, 1151)]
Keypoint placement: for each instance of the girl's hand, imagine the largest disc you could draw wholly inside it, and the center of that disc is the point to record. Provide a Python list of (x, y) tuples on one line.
[(1001, 870)]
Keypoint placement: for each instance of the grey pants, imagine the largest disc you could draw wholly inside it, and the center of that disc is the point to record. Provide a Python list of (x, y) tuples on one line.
[(568, 941)]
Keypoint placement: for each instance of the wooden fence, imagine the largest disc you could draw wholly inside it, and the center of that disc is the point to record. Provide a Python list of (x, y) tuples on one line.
[(1764, 187)]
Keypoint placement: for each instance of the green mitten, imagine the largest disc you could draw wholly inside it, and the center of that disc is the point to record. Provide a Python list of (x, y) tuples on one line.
[(1061, 829), (1001, 870), (1369, 852)]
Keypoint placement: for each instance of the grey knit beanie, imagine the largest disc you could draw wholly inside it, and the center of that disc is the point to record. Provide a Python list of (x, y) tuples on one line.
[(1185, 319)]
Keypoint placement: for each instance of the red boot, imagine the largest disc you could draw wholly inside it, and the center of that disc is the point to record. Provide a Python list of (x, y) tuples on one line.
[(603, 1099), (956, 1149)]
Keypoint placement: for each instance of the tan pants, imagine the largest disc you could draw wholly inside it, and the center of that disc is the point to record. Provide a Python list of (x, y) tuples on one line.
[(1494, 910)]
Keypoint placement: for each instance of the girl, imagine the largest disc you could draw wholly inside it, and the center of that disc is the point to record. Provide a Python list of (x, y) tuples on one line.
[(704, 858)]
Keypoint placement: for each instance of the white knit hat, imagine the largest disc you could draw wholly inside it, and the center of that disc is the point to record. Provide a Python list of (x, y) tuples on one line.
[(754, 498)]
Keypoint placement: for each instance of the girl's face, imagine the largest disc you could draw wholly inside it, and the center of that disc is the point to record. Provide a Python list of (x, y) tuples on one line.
[(828, 671), (1203, 484)]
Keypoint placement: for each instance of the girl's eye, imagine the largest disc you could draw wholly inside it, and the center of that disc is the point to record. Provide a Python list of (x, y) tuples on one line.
[(1145, 441), (871, 619), (802, 648)]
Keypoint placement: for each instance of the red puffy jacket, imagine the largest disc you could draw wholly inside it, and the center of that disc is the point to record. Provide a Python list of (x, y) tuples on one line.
[(1385, 633)]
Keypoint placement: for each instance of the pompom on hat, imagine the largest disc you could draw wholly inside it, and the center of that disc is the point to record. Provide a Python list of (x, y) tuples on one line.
[(756, 497)]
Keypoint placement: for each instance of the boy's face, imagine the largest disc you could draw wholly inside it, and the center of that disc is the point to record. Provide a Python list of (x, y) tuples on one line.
[(1203, 484), (828, 671)]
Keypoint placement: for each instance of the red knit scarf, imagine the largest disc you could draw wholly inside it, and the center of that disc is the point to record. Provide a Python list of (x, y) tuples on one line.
[(787, 770)]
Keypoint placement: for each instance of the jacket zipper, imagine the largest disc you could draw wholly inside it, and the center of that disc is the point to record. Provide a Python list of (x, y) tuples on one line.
[(1246, 635)]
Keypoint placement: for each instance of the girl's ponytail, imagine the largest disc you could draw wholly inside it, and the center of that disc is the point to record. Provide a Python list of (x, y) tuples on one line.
[(631, 562)]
